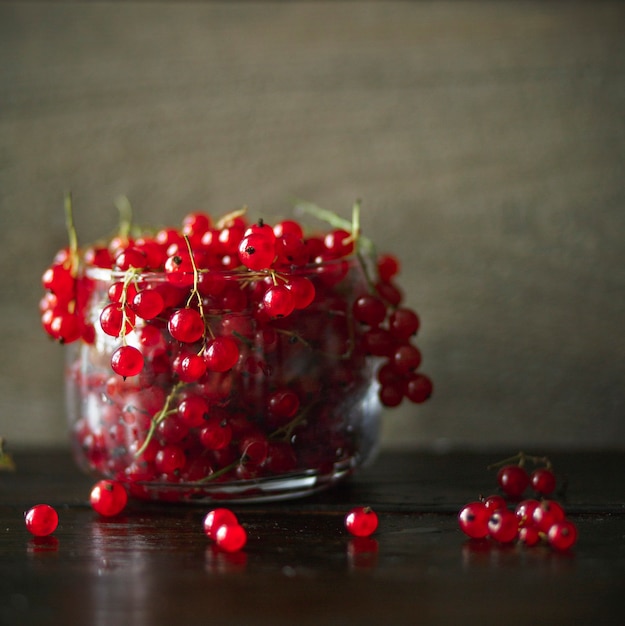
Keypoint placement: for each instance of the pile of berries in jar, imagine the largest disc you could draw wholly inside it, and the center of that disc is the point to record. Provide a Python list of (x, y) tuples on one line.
[(230, 359)]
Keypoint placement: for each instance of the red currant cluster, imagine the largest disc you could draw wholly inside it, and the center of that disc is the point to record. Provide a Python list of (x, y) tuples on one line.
[(238, 350), (531, 520), (390, 329)]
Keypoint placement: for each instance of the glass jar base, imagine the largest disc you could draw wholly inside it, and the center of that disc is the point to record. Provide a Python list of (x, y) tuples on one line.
[(266, 489)]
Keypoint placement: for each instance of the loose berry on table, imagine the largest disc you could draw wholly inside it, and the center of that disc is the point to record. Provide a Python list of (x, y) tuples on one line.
[(361, 521), (41, 520), (108, 498)]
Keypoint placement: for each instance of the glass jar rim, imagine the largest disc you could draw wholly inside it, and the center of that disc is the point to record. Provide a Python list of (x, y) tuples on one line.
[(240, 273)]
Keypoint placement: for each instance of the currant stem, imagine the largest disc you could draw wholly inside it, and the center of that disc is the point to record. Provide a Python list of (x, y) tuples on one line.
[(124, 209), (159, 417), (521, 458), (228, 218), (72, 235), (285, 431), (220, 472)]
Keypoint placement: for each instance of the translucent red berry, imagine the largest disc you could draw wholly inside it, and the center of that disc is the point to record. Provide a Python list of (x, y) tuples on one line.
[(290, 227), (503, 526), (192, 367), (186, 325), (147, 304), (193, 410), (221, 354), (302, 290), (41, 520), (339, 243), (179, 269), (216, 434), (525, 511), (406, 359), (108, 498), (131, 257), (59, 280), (388, 267), (473, 519), (418, 388), (495, 502), (231, 537), (543, 481), (278, 301), (369, 310), (114, 317), (403, 323), (127, 361), (170, 458), (513, 480), (283, 404), (216, 518), (529, 535), (257, 251), (562, 535), (361, 521), (547, 513)]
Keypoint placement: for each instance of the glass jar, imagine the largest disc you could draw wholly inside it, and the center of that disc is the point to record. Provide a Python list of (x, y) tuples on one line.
[(296, 413)]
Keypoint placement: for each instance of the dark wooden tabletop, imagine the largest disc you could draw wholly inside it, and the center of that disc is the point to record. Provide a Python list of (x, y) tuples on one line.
[(153, 565)]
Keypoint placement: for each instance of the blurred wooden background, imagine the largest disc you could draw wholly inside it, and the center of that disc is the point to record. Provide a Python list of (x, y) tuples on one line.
[(487, 141)]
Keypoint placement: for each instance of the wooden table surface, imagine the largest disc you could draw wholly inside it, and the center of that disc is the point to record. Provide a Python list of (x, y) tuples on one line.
[(152, 565)]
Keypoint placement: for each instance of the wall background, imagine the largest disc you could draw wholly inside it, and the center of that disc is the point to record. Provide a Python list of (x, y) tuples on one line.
[(487, 141)]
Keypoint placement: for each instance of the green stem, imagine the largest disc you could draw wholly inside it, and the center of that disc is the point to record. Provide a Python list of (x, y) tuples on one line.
[(159, 417), (71, 232)]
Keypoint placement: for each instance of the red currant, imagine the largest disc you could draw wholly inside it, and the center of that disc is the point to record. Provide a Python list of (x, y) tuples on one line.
[(369, 310), (302, 290), (406, 359), (525, 511), (221, 354), (193, 410), (278, 301), (216, 434), (116, 316), (562, 535), (473, 519), (216, 518), (186, 325), (495, 502), (127, 361), (529, 535), (361, 521), (59, 280), (108, 498), (547, 513), (192, 368), (403, 323), (179, 269), (543, 481), (194, 225), (418, 388), (503, 526), (290, 227), (513, 480), (257, 250), (41, 520), (170, 459), (283, 404), (147, 304), (131, 257), (388, 267), (231, 537)]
